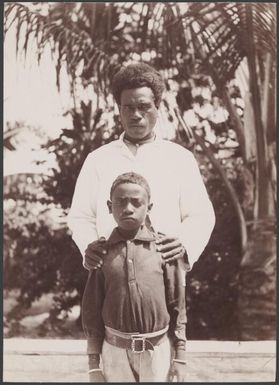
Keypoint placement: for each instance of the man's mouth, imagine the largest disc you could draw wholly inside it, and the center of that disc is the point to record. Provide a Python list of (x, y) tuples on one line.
[(136, 125)]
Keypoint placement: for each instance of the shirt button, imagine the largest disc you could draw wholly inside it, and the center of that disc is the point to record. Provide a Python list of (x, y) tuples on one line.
[(130, 261)]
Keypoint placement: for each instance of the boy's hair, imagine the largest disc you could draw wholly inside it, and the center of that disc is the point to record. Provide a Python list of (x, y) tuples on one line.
[(135, 76), (131, 177)]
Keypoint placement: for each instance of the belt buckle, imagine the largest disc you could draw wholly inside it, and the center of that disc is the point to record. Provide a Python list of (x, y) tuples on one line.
[(135, 340)]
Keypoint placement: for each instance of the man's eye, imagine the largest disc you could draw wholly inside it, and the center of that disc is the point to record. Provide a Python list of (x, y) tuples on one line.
[(128, 107), (144, 106), (119, 202)]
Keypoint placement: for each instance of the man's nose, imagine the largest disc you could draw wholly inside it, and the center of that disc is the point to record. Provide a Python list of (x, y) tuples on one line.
[(136, 115)]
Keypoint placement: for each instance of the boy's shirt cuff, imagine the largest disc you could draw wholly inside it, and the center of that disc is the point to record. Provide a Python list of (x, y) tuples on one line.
[(94, 361), (180, 352), (94, 345), (180, 355)]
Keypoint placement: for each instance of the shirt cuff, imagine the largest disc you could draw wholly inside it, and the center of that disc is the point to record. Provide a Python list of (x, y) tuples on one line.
[(180, 353)]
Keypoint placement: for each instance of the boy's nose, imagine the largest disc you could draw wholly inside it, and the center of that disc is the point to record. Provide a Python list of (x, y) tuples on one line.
[(128, 209)]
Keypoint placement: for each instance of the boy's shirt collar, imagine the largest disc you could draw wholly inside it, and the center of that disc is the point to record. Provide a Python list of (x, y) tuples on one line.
[(143, 235)]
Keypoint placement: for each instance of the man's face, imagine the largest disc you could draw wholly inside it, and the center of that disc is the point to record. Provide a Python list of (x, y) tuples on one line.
[(129, 206), (138, 112)]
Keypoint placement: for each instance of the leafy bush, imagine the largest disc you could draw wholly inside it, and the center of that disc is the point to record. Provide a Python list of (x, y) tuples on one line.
[(211, 290), (41, 258)]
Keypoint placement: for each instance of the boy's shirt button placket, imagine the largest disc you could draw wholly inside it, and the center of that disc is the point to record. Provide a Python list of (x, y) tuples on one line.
[(130, 262)]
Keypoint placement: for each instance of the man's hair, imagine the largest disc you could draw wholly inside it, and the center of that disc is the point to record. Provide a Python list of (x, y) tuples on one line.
[(135, 76), (131, 177)]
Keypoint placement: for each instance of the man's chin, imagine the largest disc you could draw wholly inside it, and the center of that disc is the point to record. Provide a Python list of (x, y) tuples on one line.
[(139, 135)]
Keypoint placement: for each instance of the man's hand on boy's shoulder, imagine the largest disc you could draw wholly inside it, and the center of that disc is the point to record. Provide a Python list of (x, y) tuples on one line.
[(170, 247), (94, 254)]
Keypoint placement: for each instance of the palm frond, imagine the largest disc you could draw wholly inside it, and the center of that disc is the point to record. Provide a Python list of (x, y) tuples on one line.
[(69, 46), (88, 36), (218, 31)]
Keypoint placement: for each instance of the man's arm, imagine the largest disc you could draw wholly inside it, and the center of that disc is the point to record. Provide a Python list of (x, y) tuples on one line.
[(82, 214), (197, 213), (197, 217)]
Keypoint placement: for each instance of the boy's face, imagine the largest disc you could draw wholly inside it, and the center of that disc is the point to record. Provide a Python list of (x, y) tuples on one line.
[(129, 206)]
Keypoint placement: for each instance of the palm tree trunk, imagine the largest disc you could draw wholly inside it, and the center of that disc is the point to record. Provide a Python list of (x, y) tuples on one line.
[(256, 305), (238, 125), (263, 182), (231, 192), (257, 278)]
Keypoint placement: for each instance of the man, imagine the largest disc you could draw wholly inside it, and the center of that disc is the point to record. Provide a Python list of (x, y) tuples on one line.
[(182, 212)]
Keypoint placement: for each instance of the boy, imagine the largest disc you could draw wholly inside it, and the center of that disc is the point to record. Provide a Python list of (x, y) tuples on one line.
[(135, 301)]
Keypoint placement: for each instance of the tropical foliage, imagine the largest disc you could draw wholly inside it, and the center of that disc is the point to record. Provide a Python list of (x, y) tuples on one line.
[(220, 97)]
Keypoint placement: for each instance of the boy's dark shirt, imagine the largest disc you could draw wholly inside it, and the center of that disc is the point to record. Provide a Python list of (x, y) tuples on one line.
[(134, 291)]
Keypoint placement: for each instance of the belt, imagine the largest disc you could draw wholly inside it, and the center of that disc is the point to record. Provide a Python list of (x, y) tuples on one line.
[(137, 342)]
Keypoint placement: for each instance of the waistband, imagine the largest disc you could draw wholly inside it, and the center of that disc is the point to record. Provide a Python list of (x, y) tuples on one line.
[(137, 342)]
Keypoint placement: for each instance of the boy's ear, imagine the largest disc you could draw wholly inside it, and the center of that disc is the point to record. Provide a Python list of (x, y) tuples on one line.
[(109, 204), (149, 207)]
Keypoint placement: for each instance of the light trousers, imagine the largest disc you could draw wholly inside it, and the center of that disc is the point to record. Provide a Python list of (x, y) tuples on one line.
[(121, 365)]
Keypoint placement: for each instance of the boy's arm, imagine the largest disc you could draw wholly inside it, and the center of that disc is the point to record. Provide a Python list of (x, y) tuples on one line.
[(92, 321), (174, 276)]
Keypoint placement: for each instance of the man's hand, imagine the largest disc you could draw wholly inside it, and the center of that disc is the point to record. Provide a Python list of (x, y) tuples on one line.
[(96, 376), (94, 254), (170, 247), (177, 372)]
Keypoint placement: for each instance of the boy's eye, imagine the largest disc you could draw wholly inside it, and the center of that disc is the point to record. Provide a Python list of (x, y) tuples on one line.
[(122, 202), (136, 202)]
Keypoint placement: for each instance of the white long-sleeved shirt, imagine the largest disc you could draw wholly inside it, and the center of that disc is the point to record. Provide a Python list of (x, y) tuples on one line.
[(181, 205)]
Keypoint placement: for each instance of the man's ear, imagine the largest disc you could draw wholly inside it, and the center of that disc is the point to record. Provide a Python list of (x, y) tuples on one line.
[(109, 204), (149, 207)]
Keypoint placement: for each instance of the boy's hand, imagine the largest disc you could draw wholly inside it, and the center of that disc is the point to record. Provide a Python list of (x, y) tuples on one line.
[(94, 254), (96, 376), (177, 372), (170, 247), (95, 373)]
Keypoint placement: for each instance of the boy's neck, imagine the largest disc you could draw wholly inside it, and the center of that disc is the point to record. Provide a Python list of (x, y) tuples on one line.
[(128, 234)]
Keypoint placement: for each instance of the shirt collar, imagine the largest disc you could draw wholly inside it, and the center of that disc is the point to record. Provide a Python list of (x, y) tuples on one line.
[(121, 142), (143, 235)]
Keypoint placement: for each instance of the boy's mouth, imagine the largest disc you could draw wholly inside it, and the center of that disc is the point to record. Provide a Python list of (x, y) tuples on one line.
[(128, 219)]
